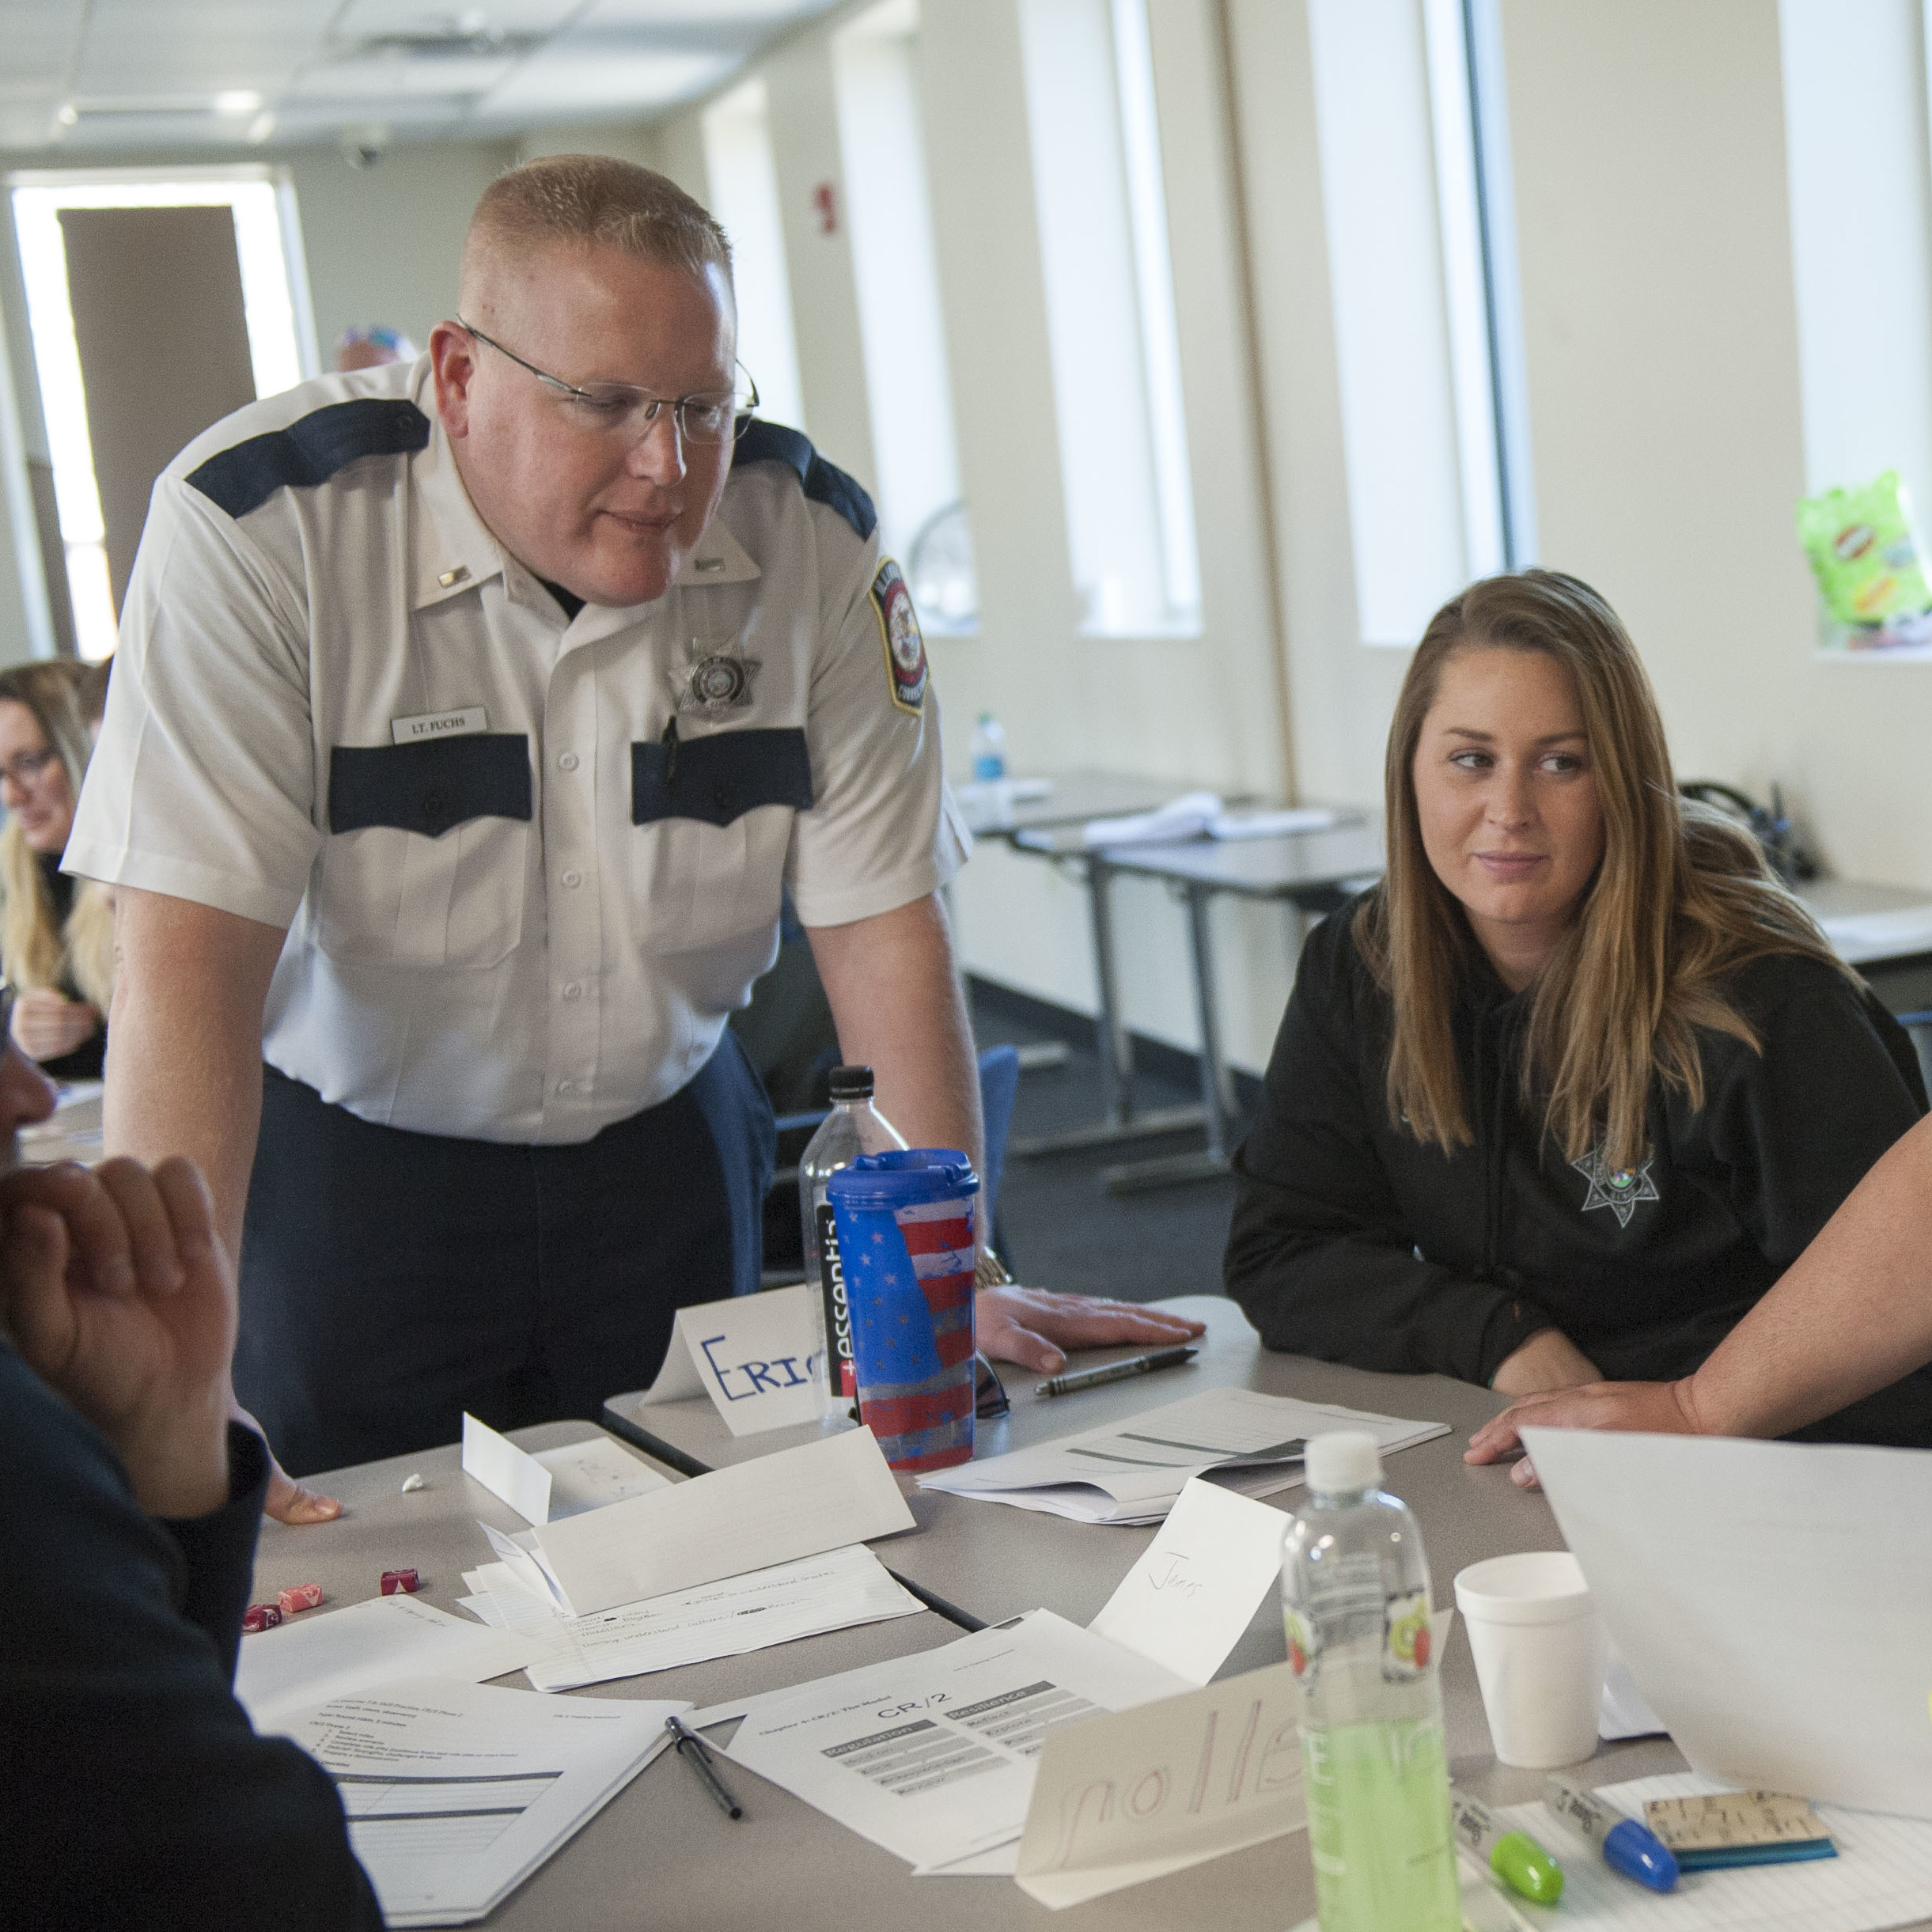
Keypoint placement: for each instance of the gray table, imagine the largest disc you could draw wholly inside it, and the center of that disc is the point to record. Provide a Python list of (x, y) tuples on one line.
[(1312, 871), (1077, 798), (662, 1855)]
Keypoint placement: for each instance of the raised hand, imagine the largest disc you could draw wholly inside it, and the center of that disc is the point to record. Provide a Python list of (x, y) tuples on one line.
[(116, 1292)]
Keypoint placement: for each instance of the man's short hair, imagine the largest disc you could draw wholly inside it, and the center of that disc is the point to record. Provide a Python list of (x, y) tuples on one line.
[(596, 200)]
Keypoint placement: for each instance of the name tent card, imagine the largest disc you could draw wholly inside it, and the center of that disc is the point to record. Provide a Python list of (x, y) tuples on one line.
[(755, 1356), (1126, 1796), (1194, 1591)]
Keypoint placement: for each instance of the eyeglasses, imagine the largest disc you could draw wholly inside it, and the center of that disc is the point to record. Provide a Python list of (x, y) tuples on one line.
[(24, 767), (621, 408)]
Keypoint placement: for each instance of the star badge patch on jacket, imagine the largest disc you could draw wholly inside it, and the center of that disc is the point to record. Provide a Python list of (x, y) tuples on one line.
[(899, 631), (1618, 1189)]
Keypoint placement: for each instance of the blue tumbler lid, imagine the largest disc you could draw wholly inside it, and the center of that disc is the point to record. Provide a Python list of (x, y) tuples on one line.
[(904, 1178)]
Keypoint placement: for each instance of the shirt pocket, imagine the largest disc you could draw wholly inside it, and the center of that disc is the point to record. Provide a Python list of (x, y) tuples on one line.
[(707, 859), (428, 853)]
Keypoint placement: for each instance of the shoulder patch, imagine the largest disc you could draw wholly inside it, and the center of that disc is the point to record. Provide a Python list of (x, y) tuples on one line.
[(310, 451), (823, 481), (906, 669)]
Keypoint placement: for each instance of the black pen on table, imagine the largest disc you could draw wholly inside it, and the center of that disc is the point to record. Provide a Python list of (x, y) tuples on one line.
[(690, 1747), (1114, 1372)]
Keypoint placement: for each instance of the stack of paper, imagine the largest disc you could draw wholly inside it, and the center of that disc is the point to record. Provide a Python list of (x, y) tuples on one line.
[(1131, 1471), (836, 1591), (558, 1482), (329, 1653), (456, 1794)]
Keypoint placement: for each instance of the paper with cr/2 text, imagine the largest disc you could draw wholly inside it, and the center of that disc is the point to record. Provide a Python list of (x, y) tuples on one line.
[(1196, 1587), (324, 1654), (755, 1356), (1771, 1610), (1126, 1797), (455, 1793), (797, 1502), (553, 1483), (933, 1756)]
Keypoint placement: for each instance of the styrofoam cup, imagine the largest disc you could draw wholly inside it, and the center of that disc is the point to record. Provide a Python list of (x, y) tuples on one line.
[(1541, 1651)]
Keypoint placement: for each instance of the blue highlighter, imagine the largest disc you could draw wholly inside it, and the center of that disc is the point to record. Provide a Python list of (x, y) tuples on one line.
[(1627, 1847)]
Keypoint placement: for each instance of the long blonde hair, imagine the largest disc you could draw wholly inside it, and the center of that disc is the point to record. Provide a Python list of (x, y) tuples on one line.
[(35, 950), (1682, 898)]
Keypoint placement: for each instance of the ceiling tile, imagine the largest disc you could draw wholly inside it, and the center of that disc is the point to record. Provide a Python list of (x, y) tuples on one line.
[(598, 83)]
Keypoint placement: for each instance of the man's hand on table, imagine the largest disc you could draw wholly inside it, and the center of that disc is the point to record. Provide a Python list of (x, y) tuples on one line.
[(1036, 1328), (1656, 1408)]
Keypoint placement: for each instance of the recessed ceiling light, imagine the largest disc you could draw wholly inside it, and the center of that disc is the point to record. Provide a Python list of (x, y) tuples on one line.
[(68, 114), (238, 100)]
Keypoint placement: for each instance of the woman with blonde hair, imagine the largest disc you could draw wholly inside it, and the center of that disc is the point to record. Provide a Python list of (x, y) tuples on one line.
[(1562, 1097), (56, 934)]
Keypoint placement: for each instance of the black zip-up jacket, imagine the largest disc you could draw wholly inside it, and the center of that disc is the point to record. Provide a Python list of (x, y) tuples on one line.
[(1354, 1242), (134, 1793)]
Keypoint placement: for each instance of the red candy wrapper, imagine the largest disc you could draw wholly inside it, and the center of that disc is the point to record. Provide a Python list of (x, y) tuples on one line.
[(260, 1616), (304, 1596), (400, 1583)]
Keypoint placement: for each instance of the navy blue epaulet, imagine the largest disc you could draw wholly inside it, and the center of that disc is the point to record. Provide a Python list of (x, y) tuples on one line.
[(310, 451), (823, 481)]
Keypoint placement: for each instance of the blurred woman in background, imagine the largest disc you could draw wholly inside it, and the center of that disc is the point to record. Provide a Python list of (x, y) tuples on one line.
[(56, 934)]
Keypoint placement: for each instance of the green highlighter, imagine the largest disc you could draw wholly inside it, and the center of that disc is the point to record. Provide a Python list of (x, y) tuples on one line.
[(1515, 1857)]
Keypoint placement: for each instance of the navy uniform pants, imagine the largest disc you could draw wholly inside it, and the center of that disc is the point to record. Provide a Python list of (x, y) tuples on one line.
[(392, 1280)]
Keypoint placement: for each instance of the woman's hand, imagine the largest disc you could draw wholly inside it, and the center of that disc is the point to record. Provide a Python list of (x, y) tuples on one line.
[(1655, 1408), (1549, 1359), (46, 1024)]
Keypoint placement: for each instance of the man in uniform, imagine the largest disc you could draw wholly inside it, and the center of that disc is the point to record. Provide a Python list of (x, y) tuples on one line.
[(469, 719)]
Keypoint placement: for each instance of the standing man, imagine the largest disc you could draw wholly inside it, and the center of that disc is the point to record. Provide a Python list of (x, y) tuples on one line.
[(469, 718)]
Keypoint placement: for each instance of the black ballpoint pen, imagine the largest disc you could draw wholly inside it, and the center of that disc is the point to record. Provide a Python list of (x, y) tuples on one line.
[(690, 1748), (1114, 1372)]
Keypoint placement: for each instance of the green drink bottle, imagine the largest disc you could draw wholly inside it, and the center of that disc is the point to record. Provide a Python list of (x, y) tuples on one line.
[(1355, 1598)]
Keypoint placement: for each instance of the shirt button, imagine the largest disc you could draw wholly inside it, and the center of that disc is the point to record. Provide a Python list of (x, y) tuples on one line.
[(572, 879), (567, 762), (574, 991)]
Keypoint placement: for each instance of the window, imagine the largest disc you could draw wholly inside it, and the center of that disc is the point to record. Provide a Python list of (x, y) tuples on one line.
[(1415, 186), (744, 197), (280, 339), (1110, 315), (882, 143), (1854, 89)]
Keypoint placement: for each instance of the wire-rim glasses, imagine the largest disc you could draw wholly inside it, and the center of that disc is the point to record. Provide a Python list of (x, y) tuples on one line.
[(621, 408)]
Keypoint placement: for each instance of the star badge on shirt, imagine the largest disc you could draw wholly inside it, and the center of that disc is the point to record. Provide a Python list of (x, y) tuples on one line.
[(1619, 1189), (717, 678)]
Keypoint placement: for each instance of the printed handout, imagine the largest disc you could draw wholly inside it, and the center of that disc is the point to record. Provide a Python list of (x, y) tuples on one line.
[(456, 1793), (933, 1756), (1131, 1471)]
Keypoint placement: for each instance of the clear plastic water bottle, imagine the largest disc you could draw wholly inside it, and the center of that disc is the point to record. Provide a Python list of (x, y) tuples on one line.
[(988, 750), (854, 1127), (1356, 1597)]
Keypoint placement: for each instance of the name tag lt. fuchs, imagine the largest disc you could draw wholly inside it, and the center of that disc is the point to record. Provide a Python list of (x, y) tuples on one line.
[(439, 724)]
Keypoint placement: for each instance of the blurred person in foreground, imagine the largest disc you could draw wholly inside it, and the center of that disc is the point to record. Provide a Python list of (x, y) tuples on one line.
[(135, 1793)]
